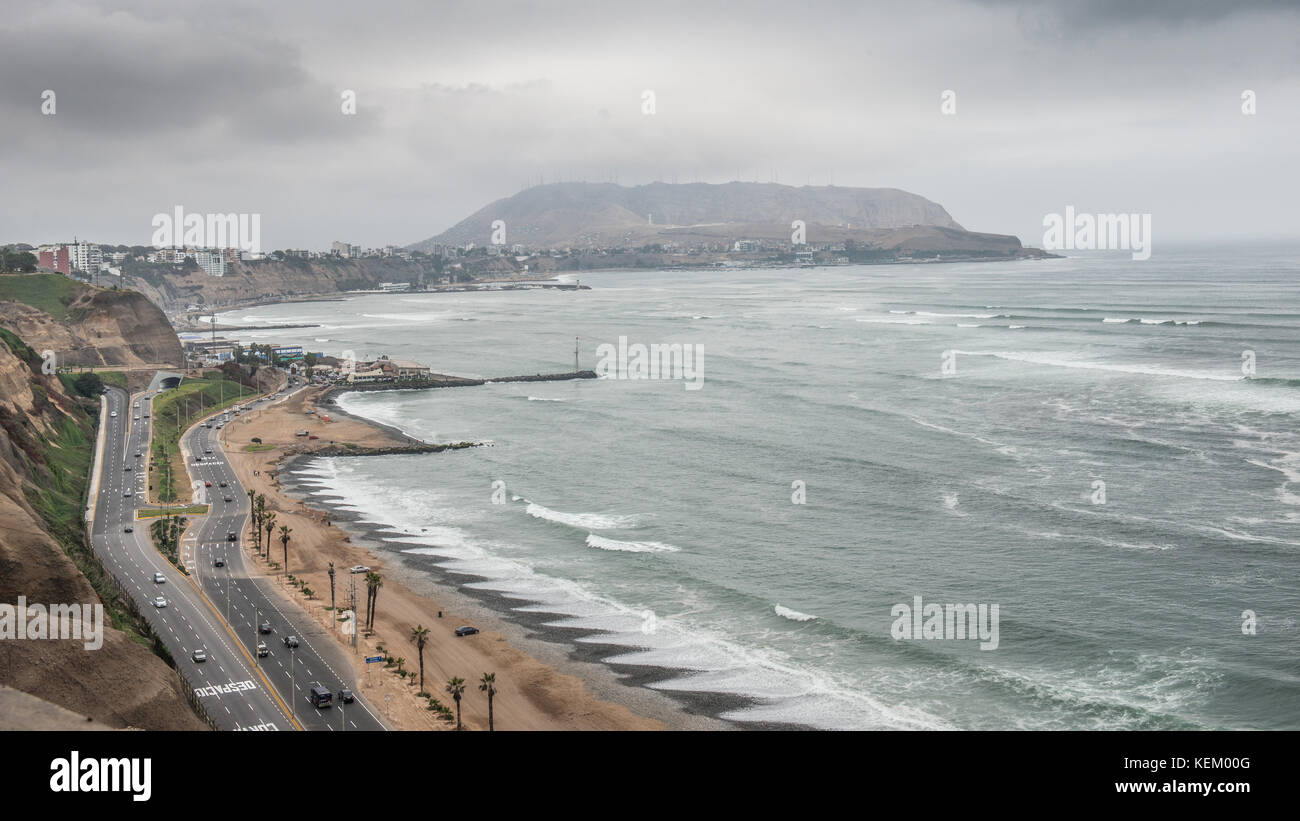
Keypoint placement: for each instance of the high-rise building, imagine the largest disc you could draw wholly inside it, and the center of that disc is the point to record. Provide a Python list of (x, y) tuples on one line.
[(85, 257), (55, 259)]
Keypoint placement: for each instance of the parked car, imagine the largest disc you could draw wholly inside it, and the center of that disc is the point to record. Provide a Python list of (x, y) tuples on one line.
[(290, 641), (466, 630), (358, 568), (199, 655), (159, 578), (159, 602)]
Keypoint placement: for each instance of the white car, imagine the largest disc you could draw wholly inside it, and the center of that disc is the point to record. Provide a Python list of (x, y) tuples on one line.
[(199, 655), (113, 414), (159, 602), (159, 578), (358, 568)]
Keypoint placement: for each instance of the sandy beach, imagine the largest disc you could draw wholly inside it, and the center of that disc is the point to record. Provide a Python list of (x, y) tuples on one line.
[(531, 695)]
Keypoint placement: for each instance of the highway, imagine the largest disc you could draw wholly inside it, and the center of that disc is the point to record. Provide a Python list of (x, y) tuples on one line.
[(252, 599), (232, 692)]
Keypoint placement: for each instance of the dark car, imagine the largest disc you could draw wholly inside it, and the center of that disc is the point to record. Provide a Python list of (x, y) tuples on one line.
[(231, 536), (466, 630), (345, 696), (321, 697), (264, 627), (228, 499), (290, 641), (128, 529), (223, 484)]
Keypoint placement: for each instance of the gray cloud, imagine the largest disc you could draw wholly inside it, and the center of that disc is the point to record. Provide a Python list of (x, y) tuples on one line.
[(1114, 107)]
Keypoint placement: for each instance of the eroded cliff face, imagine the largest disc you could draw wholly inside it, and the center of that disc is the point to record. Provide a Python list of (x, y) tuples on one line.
[(98, 328), (248, 282), (45, 433)]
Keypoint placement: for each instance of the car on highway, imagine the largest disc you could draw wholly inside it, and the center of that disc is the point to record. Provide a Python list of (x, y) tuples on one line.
[(137, 416), (159, 578), (113, 414), (219, 427), (466, 630), (138, 454), (231, 536), (290, 641), (262, 650), (345, 696), (146, 414), (358, 568), (207, 451), (223, 484), (128, 468), (228, 499), (128, 529), (264, 627), (321, 696), (159, 602), (207, 484), (127, 495), (199, 655), (220, 562)]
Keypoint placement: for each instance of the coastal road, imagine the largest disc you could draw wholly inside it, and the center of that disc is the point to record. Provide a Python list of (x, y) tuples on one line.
[(226, 684), (253, 599)]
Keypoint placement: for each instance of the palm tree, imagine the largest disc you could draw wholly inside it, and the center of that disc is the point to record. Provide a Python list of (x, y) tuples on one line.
[(373, 583), (261, 517), (420, 634), (455, 687), (268, 523), (488, 684), (285, 530)]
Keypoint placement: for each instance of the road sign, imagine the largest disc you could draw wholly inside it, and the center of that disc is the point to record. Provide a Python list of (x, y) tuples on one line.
[(374, 659)]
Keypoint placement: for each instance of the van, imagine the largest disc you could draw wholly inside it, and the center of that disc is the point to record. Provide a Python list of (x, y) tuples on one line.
[(320, 696)]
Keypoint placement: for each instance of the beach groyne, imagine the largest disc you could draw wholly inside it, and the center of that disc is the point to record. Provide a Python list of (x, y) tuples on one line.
[(447, 381)]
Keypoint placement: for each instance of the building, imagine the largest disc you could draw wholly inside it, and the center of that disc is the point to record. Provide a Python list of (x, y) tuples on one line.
[(394, 286), (405, 369), (213, 263), (375, 375), (339, 248), (55, 259), (746, 246), (85, 257)]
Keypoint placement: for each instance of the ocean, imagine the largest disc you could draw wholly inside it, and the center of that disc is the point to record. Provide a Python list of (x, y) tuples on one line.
[(1072, 440)]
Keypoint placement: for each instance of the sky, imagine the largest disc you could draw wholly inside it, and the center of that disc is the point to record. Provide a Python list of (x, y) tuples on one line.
[(1107, 106)]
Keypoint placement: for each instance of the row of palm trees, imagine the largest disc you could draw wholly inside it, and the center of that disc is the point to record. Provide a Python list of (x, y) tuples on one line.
[(264, 519), (455, 685)]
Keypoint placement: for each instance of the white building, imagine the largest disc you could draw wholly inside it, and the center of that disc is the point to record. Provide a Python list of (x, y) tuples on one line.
[(85, 257), (213, 263)]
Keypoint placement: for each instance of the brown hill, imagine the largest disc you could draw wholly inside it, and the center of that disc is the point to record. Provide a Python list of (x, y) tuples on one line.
[(608, 215)]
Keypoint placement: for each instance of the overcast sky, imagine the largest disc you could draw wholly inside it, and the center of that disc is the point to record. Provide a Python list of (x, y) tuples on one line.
[(1110, 106)]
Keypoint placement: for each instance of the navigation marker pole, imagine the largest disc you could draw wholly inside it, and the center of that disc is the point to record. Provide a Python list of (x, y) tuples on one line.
[(575, 354)]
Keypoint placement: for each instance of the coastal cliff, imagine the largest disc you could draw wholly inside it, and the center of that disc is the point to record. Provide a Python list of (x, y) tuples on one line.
[(87, 326), (47, 440)]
